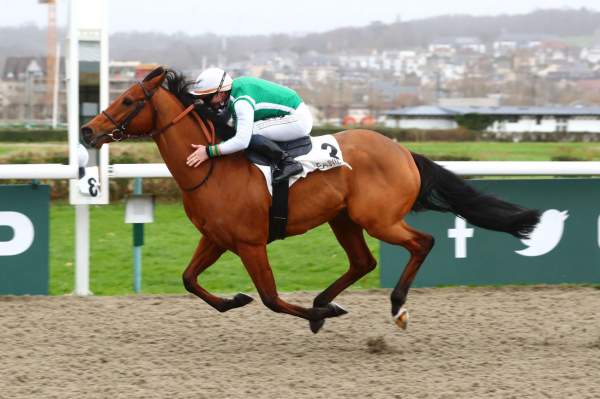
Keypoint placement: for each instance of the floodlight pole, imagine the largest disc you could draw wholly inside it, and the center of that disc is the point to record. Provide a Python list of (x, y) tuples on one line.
[(56, 89)]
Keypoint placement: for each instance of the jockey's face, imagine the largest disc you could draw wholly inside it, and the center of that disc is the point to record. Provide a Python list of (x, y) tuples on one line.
[(218, 101)]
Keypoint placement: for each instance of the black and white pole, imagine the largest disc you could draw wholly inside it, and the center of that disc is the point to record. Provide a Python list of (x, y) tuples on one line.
[(138, 242)]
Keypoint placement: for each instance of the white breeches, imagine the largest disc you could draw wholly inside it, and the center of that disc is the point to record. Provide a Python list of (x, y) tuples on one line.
[(286, 128)]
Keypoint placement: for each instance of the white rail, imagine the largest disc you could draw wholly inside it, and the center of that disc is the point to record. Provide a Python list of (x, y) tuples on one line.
[(510, 168), (38, 171), (465, 168), (127, 170)]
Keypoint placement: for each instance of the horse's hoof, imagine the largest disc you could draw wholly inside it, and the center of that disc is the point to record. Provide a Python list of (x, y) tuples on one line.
[(242, 299), (401, 318), (315, 325), (336, 310)]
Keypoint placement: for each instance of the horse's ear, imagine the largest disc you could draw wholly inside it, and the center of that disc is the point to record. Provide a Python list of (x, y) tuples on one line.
[(156, 76)]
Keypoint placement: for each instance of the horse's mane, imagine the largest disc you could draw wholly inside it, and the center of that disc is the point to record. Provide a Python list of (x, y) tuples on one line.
[(177, 84)]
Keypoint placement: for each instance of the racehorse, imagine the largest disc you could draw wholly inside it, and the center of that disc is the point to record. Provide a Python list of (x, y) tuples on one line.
[(228, 202)]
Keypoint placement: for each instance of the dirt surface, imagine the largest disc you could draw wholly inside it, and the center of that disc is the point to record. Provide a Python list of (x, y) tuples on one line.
[(461, 343)]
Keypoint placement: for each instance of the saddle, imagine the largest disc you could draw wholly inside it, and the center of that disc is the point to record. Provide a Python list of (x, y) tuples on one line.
[(295, 148), (278, 213)]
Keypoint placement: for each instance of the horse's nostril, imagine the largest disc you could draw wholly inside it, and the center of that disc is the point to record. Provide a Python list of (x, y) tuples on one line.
[(87, 134)]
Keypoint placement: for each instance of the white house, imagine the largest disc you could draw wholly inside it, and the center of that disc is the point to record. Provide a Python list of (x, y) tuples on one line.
[(422, 117), (509, 42), (441, 47), (471, 44), (505, 119), (591, 55)]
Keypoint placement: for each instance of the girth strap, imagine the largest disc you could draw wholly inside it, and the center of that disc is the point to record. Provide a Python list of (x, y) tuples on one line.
[(278, 213)]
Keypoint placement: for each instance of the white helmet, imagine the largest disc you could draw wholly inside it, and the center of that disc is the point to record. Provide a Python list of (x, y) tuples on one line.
[(212, 80)]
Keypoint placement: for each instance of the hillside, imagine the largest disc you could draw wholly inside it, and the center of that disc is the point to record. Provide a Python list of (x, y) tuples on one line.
[(185, 51)]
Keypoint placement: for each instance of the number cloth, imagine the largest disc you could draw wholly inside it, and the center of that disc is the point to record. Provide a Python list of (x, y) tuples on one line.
[(325, 154)]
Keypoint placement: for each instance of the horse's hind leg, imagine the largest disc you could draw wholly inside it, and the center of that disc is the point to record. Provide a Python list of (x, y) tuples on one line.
[(256, 262), (418, 244), (350, 236), (207, 254)]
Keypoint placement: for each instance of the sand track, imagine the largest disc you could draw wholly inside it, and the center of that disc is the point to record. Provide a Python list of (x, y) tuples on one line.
[(461, 343)]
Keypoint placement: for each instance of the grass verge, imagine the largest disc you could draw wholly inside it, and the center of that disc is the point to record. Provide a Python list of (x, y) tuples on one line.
[(308, 262)]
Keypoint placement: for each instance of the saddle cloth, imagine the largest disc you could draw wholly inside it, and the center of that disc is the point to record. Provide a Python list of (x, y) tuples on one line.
[(325, 154)]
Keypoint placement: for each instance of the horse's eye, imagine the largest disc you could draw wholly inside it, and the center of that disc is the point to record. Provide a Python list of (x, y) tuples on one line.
[(127, 101)]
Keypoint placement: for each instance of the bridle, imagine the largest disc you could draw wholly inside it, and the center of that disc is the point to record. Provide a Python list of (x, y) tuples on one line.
[(119, 132)]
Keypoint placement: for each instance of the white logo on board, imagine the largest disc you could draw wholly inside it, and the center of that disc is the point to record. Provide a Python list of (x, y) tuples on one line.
[(547, 234), (460, 233), (23, 233)]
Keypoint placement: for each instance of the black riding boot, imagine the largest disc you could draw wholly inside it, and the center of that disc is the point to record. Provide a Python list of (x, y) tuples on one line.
[(285, 165)]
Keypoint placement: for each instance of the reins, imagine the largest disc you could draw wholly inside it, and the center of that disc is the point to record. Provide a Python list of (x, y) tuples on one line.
[(119, 133), (211, 140)]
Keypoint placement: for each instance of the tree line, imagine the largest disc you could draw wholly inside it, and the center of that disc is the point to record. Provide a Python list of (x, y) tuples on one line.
[(188, 51)]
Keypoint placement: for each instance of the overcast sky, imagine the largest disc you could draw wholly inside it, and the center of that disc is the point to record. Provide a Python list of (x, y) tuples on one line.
[(243, 17)]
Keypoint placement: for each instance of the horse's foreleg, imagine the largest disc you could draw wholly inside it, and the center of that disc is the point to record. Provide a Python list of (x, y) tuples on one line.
[(350, 236), (207, 254), (418, 244), (256, 262)]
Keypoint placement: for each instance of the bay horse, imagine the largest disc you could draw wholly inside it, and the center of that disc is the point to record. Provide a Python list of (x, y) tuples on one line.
[(228, 202)]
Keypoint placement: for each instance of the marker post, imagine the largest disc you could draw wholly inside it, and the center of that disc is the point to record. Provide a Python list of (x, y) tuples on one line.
[(138, 241), (139, 209)]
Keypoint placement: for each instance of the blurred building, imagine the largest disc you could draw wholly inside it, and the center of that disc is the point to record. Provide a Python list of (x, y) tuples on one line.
[(502, 119), (469, 102), (23, 88), (124, 74)]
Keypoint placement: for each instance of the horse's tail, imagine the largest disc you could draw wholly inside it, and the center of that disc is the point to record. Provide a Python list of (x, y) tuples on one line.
[(443, 191)]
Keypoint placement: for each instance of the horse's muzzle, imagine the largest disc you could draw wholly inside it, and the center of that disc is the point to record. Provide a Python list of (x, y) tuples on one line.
[(87, 134)]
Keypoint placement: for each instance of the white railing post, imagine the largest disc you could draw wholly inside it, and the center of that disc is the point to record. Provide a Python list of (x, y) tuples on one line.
[(82, 250)]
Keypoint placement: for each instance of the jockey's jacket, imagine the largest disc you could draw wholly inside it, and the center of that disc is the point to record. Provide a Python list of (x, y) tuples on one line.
[(252, 100)]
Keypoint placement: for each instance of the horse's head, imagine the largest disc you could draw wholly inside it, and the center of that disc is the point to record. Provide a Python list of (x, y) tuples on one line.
[(132, 114)]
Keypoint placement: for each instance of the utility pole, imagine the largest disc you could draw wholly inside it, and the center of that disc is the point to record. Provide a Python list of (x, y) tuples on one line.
[(51, 59)]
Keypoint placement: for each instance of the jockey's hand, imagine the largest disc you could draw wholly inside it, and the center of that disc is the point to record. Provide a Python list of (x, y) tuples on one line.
[(198, 156)]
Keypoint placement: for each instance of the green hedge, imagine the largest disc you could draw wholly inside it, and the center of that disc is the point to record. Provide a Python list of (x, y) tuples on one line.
[(21, 135), (461, 134), (476, 122), (408, 134)]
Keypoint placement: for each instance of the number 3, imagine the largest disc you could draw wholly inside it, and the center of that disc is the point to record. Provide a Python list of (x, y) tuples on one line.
[(93, 187)]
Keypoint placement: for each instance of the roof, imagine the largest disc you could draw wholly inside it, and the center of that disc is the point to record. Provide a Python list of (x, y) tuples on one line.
[(432, 110), (423, 110), (15, 68)]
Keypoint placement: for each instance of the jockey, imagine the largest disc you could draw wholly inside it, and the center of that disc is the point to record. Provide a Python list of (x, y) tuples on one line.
[(262, 111)]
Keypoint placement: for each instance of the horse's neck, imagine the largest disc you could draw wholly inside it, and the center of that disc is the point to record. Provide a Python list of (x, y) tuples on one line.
[(175, 143)]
